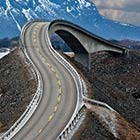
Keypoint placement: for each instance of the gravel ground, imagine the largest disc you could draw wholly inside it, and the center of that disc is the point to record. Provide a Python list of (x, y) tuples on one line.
[(115, 80), (103, 124), (93, 129), (17, 87)]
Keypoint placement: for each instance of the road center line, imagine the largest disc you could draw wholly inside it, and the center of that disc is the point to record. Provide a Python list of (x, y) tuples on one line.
[(59, 97)]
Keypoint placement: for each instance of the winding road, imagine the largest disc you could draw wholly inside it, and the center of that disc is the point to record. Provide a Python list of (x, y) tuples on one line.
[(62, 88), (59, 90)]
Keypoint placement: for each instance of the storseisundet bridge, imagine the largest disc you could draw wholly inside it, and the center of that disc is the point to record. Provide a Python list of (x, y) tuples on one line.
[(59, 100)]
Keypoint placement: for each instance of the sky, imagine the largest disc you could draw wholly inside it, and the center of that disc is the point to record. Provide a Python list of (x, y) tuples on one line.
[(127, 11)]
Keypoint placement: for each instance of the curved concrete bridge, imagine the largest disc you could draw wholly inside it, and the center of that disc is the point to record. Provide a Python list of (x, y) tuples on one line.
[(55, 114), (82, 42)]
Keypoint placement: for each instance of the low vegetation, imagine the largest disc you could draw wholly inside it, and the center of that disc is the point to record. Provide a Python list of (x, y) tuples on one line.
[(115, 80), (17, 87)]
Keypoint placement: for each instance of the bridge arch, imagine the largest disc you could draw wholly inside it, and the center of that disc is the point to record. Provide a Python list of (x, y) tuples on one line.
[(82, 42), (81, 55)]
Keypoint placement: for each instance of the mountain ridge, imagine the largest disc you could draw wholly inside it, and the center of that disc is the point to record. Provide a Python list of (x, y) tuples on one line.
[(15, 13), (132, 44)]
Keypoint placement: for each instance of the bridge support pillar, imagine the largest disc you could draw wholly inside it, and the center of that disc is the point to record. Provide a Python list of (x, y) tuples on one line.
[(89, 61), (63, 137), (65, 134), (69, 130), (71, 126), (74, 122), (78, 116), (82, 58)]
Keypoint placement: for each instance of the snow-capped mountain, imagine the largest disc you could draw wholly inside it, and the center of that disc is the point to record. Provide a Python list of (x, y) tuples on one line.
[(15, 13)]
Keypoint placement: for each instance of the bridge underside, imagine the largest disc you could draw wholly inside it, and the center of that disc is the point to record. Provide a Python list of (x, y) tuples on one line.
[(82, 43), (81, 55)]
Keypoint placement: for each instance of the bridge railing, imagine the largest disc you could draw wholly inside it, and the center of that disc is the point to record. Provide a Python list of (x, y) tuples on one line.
[(33, 104), (73, 124), (99, 103), (79, 86), (37, 97)]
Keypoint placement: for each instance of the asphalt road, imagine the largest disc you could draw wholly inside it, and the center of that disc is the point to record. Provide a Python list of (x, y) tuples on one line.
[(59, 90)]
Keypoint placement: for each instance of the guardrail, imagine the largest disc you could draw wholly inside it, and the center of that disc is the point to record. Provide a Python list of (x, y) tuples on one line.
[(81, 91), (95, 102), (79, 86), (73, 124), (37, 97), (33, 104)]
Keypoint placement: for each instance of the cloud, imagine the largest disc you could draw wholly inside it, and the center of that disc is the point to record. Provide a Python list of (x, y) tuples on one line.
[(119, 4), (122, 10), (107, 3), (123, 16)]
